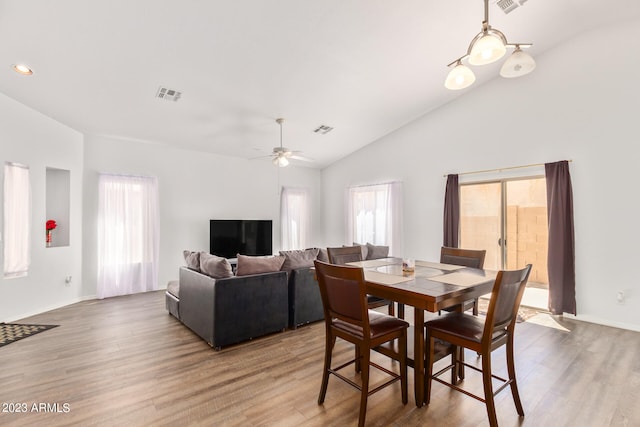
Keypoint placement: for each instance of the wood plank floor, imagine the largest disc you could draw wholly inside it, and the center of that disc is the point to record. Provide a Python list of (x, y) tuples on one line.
[(126, 361)]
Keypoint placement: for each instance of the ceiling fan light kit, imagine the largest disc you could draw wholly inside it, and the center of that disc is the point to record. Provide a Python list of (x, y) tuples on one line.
[(280, 161), (281, 153), (281, 156), (487, 47)]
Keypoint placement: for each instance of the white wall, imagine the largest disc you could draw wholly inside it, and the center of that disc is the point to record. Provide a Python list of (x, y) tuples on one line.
[(578, 104), (194, 187), (37, 141)]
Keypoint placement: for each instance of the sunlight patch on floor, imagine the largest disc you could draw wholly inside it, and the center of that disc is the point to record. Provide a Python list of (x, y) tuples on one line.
[(546, 319)]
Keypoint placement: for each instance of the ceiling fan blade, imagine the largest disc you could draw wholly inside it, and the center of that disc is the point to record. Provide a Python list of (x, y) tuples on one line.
[(261, 157), (297, 157)]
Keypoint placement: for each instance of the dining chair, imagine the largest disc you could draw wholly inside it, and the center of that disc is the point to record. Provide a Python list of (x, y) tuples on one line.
[(473, 258), (482, 336), (345, 254), (347, 316)]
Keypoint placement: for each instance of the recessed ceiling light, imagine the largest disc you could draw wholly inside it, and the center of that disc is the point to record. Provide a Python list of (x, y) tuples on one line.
[(22, 69)]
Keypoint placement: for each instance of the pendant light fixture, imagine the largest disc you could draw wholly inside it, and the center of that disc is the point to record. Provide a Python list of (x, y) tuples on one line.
[(518, 64), (488, 46)]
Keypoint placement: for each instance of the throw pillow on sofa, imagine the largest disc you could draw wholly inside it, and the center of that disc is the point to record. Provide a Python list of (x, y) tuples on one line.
[(298, 258), (377, 252), (364, 249), (192, 259), (215, 266), (323, 255), (258, 264)]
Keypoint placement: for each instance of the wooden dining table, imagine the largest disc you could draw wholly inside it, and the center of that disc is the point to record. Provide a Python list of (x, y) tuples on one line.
[(431, 286)]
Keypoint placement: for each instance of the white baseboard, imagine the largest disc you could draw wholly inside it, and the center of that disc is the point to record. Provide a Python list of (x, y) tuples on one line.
[(48, 308), (604, 322)]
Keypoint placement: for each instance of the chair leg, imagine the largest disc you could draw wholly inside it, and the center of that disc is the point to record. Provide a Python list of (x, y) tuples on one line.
[(330, 341), (459, 352), (429, 369), (400, 310), (511, 368), (403, 368), (475, 306), (392, 309), (488, 390), (365, 387), (454, 365), (358, 359)]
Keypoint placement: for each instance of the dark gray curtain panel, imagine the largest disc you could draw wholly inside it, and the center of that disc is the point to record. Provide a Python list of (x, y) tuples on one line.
[(561, 252), (451, 212)]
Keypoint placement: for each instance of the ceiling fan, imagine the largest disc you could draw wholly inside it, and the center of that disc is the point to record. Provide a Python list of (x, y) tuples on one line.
[(281, 155)]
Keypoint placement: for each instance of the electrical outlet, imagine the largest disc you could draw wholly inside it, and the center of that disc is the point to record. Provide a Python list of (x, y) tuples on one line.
[(67, 281), (620, 297)]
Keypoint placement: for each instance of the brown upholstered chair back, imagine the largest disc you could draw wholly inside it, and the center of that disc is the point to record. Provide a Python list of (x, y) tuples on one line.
[(467, 257), (345, 254), (343, 292), (505, 299)]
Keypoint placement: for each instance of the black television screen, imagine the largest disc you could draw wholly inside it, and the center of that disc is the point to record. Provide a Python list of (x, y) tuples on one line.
[(229, 237)]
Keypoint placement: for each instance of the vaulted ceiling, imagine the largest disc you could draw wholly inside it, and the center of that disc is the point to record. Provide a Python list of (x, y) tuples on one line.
[(363, 67)]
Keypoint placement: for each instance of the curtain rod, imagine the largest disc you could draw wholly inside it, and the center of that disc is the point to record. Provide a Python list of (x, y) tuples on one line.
[(504, 169), (126, 175), (374, 184), (17, 165)]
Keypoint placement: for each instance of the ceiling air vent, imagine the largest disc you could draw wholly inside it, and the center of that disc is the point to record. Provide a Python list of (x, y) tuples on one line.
[(168, 94), (508, 5), (323, 129)]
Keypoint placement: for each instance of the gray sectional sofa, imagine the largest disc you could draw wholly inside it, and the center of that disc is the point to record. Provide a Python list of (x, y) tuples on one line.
[(265, 295), (230, 310), (305, 303)]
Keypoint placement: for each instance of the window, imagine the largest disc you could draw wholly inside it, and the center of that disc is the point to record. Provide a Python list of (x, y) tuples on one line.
[(128, 235), (375, 216), (295, 218), (508, 218), (17, 217)]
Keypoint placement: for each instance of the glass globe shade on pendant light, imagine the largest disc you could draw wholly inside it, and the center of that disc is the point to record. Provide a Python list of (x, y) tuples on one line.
[(487, 49), (459, 77), (518, 64)]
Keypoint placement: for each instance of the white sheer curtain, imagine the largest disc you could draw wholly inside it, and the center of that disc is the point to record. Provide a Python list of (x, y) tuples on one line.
[(374, 215), (128, 235), (295, 218), (17, 220)]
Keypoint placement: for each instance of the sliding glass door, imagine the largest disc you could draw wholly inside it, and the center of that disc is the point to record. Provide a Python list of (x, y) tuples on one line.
[(508, 218)]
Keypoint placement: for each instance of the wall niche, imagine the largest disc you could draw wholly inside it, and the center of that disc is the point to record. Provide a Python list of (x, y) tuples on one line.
[(58, 204)]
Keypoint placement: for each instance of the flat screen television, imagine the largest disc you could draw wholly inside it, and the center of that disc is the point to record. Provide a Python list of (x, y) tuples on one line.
[(229, 237)]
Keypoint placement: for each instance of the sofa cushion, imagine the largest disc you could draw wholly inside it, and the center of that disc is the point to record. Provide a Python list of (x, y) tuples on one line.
[(323, 255), (298, 258), (258, 264), (173, 287), (364, 249), (192, 259), (377, 252), (215, 266)]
